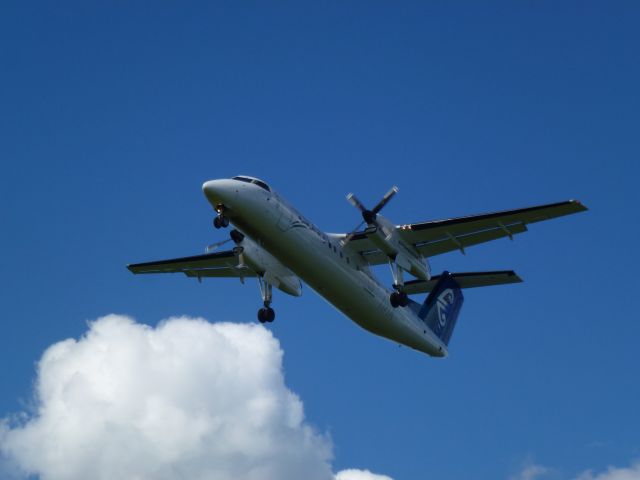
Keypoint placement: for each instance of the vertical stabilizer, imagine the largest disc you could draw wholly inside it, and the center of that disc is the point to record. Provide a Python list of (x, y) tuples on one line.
[(441, 308)]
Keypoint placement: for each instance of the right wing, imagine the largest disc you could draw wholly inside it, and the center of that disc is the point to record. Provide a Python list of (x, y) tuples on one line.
[(441, 236), (218, 264)]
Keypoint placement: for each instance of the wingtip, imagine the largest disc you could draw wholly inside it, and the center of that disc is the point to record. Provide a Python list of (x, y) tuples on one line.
[(581, 206)]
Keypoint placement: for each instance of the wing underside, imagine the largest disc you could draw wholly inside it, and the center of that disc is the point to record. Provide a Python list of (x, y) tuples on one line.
[(218, 264), (441, 236)]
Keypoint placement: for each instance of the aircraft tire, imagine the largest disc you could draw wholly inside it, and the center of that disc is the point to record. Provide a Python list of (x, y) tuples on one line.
[(394, 300), (403, 299), (262, 315), (270, 315), (224, 222), (216, 222)]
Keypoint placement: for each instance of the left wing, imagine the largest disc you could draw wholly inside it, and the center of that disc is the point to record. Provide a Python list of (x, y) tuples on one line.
[(441, 236), (218, 264)]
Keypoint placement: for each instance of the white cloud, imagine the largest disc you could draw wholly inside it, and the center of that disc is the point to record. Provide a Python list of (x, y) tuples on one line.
[(351, 474), (614, 473), (531, 472), (185, 400)]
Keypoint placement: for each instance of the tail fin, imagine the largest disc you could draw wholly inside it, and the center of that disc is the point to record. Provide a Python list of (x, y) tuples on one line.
[(441, 308)]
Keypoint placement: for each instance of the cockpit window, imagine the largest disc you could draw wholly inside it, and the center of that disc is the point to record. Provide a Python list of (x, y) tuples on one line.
[(261, 184), (255, 181), (242, 179)]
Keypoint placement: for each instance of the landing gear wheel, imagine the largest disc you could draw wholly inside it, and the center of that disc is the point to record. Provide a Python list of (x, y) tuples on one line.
[(271, 314), (399, 299), (220, 221), (266, 314), (404, 299), (394, 298)]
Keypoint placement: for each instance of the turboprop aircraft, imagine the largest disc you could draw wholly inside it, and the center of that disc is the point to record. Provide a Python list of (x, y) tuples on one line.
[(278, 246)]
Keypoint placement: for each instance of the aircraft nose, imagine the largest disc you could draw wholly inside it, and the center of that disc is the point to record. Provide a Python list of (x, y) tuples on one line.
[(217, 191)]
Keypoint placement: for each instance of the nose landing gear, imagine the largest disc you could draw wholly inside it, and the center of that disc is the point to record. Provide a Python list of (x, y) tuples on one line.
[(266, 313), (220, 221)]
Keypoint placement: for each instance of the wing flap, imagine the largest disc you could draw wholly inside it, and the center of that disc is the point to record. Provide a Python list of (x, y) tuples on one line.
[(465, 280), (449, 242), (230, 271)]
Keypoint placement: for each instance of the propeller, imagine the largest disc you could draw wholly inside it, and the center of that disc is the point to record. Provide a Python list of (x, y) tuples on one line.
[(215, 246), (236, 237), (368, 216)]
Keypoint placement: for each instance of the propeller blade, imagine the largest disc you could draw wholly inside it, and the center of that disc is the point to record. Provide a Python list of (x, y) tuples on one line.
[(353, 200), (348, 238), (388, 196), (215, 246), (239, 252)]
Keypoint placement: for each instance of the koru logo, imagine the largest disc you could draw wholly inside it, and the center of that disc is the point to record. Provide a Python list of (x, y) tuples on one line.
[(444, 302)]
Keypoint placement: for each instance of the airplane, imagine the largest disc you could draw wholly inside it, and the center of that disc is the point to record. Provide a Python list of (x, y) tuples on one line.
[(278, 246)]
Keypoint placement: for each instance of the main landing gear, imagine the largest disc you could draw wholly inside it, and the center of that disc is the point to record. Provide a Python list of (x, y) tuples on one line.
[(266, 313), (397, 298), (221, 221)]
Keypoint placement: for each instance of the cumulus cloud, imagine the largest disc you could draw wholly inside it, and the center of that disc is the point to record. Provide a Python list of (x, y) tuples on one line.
[(614, 473), (531, 472), (186, 399), (352, 474)]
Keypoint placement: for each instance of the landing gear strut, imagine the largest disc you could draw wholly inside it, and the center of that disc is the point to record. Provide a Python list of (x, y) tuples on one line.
[(266, 313), (397, 298), (221, 221)]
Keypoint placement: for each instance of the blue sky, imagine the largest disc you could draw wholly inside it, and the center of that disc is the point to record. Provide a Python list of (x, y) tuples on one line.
[(113, 115)]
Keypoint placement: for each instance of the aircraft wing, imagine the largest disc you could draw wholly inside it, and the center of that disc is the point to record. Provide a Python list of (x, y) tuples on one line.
[(440, 236), (217, 264)]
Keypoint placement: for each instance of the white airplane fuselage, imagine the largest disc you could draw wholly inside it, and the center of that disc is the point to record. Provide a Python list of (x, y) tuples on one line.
[(341, 277)]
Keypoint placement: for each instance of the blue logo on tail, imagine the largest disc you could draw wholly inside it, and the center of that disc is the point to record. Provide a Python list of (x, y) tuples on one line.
[(441, 308)]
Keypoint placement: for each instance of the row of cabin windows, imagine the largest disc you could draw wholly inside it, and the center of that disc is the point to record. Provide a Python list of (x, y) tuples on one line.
[(340, 252)]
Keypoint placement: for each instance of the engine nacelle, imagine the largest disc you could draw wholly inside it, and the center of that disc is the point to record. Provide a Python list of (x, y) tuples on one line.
[(415, 266), (263, 263), (392, 246), (387, 243)]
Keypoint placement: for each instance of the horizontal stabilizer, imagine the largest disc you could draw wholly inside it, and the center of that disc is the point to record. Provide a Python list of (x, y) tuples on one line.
[(465, 280)]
